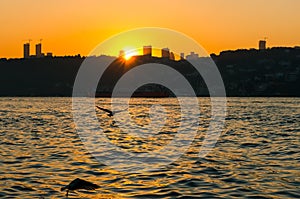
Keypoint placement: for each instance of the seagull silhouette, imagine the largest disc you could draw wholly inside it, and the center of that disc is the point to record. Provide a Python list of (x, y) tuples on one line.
[(79, 184), (109, 112)]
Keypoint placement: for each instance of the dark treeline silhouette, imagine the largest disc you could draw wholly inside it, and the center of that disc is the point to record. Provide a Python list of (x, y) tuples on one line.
[(271, 72), (38, 77)]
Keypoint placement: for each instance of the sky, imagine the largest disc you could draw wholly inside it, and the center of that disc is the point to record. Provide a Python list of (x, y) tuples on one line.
[(69, 27)]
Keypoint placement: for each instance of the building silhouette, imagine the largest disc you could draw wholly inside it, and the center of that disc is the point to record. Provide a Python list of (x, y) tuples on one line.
[(38, 50), (181, 56), (262, 45), (121, 53), (172, 56), (49, 54), (26, 50), (147, 50), (165, 53), (192, 56)]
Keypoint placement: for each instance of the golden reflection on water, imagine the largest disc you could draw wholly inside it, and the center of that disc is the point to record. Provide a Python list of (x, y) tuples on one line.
[(256, 156)]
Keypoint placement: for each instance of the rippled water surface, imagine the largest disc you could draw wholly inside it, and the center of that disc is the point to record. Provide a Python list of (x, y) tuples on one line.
[(257, 154)]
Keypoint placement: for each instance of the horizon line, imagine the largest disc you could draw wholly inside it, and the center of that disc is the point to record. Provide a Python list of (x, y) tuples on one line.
[(213, 53)]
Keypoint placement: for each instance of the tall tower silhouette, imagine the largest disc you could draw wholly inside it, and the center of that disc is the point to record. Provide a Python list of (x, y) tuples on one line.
[(181, 56), (165, 53), (38, 50), (147, 50), (262, 44), (26, 50)]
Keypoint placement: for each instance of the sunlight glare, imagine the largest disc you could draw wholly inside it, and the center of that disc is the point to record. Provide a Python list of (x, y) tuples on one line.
[(129, 54)]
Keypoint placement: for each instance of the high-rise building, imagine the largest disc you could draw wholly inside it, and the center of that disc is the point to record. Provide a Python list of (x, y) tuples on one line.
[(262, 45), (165, 53), (38, 50), (147, 50), (181, 56), (26, 50), (172, 56)]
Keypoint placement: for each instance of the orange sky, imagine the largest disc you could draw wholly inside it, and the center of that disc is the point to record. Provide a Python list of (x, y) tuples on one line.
[(71, 27)]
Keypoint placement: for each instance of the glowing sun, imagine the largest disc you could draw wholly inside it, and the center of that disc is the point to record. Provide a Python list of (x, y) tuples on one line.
[(129, 54)]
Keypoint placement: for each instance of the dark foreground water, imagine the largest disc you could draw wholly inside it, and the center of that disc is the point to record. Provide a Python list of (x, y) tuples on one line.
[(257, 154)]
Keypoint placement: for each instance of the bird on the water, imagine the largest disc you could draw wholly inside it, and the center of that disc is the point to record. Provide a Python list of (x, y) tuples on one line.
[(109, 112), (79, 184)]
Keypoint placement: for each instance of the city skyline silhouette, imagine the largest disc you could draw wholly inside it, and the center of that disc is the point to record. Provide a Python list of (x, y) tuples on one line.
[(77, 28)]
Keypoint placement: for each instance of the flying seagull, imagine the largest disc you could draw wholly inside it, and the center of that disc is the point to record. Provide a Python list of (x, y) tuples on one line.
[(109, 112), (79, 184)]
